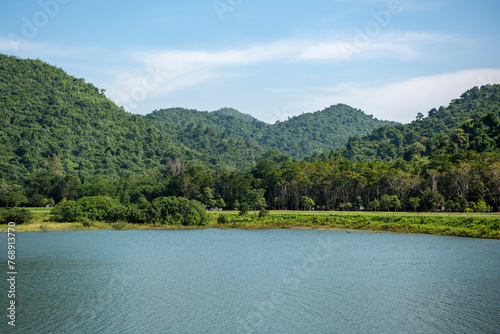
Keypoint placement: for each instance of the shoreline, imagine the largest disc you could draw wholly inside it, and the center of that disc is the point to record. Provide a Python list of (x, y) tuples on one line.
[(472, 227), (486, 225)]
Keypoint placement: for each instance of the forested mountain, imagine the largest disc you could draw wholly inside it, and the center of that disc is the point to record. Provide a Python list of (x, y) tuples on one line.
[(468, 123), (62, 140), (299, 136), (302, 135), (235, 113), (44, 112), (233, 123)]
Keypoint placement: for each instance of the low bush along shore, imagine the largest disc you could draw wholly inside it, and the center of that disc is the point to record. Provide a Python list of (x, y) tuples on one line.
[(486, 225)]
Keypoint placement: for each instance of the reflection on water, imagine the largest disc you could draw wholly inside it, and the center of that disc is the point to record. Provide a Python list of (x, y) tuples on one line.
[(257, 281)]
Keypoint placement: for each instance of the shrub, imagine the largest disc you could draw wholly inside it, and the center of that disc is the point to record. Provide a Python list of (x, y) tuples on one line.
[(99, 208), (44, 227), (87, 222), (222, 219), (94, 208), (137, 215), (16, 215), (177, 210), (119, 225), (263, 213), (67, 211), (244, 208)]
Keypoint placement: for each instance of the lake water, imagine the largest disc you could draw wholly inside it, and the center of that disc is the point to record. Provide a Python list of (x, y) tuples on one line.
[(252, 281)]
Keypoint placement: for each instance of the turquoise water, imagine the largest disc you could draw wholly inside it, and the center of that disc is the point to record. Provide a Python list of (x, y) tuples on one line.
[(252, 281)]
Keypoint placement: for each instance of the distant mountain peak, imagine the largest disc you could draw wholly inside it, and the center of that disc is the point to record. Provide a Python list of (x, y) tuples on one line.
[(235, 113)]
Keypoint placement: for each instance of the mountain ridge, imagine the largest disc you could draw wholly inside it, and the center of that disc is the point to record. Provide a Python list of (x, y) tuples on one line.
[(45, 112), (299, 136), (427, 135)]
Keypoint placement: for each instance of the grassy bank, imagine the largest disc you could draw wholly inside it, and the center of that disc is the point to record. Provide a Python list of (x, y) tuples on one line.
[(474, 225), (464, 225)]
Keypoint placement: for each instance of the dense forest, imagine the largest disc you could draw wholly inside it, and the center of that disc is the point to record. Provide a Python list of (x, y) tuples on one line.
[(64, 143), (299, 136), (460, 126), (45, 112)]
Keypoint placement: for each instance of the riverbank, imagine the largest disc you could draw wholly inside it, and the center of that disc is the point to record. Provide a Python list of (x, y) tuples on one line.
[(475, 225)]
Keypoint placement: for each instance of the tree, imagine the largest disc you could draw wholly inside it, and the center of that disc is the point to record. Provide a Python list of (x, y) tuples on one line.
[(221, 203), (387, 202), (395, 203), (243, 209), (449, 205), (178, 210), (494, 177), (414, 202), (54, 166), (307, 202), (15, 198), (254, 198), (401, 183), (207, 197), (69, 187), (481, 206), (461, 177), (434, 176), (374, 205), (432, 200)]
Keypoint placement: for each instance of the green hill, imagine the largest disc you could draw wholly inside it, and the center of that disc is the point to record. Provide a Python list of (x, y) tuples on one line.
[(235, 113), (230, 121), (299, 136), (61, 138), (319, 131), (45, 112), (463, 125)]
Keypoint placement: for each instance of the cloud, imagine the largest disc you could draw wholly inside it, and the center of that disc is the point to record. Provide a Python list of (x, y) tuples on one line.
[(165, 71), (388, 45), (401, 101), (131, 77), (21, 47), (162, 72), (11, 44)]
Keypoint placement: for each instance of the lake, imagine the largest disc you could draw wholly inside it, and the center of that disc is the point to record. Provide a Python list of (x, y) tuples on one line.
[(252, 281)]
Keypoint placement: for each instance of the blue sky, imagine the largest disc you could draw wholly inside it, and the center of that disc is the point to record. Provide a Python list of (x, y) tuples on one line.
[(270, 59)]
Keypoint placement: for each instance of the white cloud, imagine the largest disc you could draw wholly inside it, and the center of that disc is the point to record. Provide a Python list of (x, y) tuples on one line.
[(174, 70), (11, 44), (136, 77), (164, 72), (401, 101), (24, 48)]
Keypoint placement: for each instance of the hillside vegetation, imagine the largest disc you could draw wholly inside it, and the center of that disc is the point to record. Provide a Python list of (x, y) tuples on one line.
[(299, 136), (44, 113), (64, 143), (468, 123)]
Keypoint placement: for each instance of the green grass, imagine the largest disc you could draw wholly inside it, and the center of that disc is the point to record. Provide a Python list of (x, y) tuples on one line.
[(372, 213), (476, 225)]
